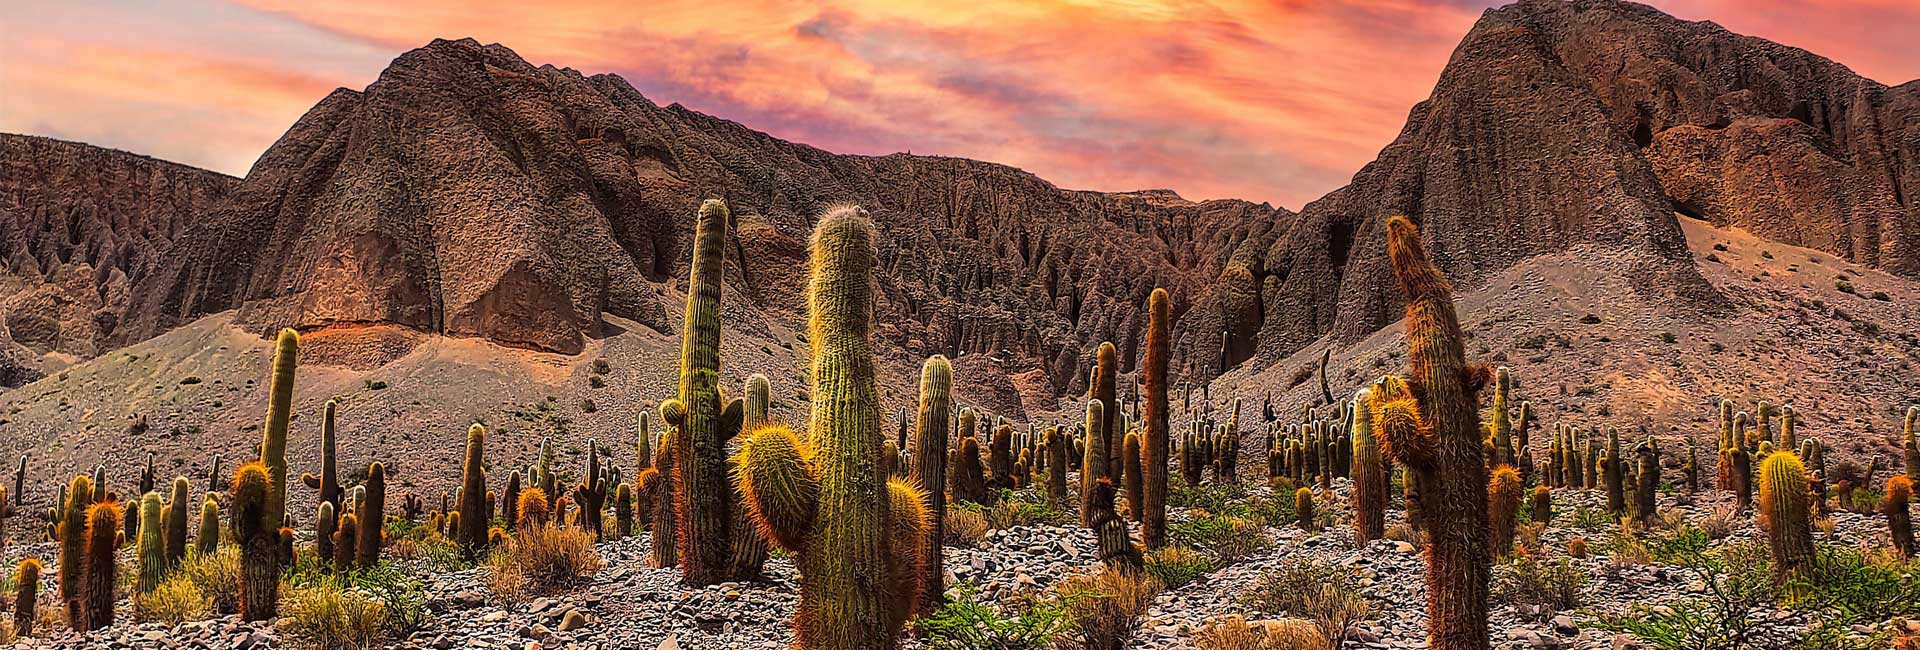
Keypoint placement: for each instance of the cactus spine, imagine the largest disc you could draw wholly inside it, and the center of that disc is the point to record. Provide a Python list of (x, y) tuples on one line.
[(1117, 550), (857, 535), (1435, 433), (1153, 519), (930, 469), (1785, 515), (259, 542), (700, 419)]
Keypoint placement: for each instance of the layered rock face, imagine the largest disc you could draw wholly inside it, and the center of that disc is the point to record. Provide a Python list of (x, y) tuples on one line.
[(469, 193), (79, 225)]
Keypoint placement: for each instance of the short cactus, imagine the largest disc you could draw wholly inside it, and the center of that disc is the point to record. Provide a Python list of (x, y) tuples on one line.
[(1894, 506), (1503, 507), (345, 538), (1134, 483), (1303, 508), (1612, 471), (857, 535), (26, 584), (370, 507), (750, 550), (1785, 514), (1000, 458), (1647, 480), (531, 513), (1541, 503), (176, 521), (325, 523), (1094, 469), (509, 500), (623, 511), (208, 541)]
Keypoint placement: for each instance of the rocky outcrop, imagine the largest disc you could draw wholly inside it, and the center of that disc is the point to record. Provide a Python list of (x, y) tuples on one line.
[(78, 226), (469, 193)]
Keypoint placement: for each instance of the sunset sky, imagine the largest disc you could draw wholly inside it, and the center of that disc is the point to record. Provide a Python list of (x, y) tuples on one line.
[(1275, 101)]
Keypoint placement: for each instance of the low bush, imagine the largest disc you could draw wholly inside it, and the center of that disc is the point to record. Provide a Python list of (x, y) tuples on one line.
[(1105, 607), (1235, 633), (965, 623), (543, 559), (1542, 588), (1177, 566), (217, 576), (965, 526), (328, 614), (1228, 539), (174, 601)]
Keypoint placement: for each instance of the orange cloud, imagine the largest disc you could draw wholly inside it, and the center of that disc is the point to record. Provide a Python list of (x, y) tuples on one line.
[(1276, 100)]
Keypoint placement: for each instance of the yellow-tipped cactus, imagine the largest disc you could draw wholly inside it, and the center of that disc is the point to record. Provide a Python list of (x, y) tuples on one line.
[(1785, 514), (71, 530), (1369, 476), (1303, 508), (259, 542), (208, 540), (1899, 525), (1503, 507), (857, 536), (930, 471), (1094, 466), (26, 582), (151, 550), (700, 419), (103, 534)]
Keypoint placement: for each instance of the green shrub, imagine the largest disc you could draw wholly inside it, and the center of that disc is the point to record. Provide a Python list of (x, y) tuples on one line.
[(1178, 566), (1547, 588), (327, 614), (1739, 585), (1013, 510), (1314, 590), (176, 600), (216, 576), (1217, 499), (965, 623), (1228, 539)]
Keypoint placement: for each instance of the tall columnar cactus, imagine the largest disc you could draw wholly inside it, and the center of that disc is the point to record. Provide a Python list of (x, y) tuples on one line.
[(1612, 469), (1429, 423), (700, 419), (147, 484), (176, 533), (103, 533), (370, 507), (930, 471), (208, 541), (1785, 515), (643, 443), (273, 439), (1094, 469), (510, 501), (258, 537), (856, 534), (1500, 425), (72, 529), (472, 532), (1106, 373), (1153, 519), (1647, 480), (1899, 525), (327, 482), (26, 582), (1135, 483), (151, 551), (623, 511), (1503, 507), (1369, 476)]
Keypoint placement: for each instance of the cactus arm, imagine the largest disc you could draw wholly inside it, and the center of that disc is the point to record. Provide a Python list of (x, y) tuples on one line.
[(774, 472)]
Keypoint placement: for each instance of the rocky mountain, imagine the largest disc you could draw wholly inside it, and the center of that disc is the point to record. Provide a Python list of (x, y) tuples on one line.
[(79, 226), (469, 193)]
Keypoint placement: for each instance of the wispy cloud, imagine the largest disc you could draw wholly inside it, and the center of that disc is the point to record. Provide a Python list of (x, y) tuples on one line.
[(1277, 100)]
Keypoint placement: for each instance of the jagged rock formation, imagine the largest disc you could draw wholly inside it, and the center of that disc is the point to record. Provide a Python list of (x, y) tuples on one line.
[(470, 193), (78, 226)]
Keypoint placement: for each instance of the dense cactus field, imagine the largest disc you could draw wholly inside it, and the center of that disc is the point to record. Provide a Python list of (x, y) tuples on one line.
[(863, 540)]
